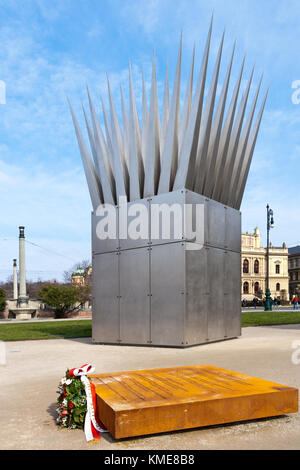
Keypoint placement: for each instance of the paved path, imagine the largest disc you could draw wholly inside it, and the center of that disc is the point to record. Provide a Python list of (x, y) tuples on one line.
[(39, 320), (29, 381)]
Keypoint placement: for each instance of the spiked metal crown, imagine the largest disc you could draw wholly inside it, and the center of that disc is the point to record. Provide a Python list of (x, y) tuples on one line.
[(198, 148)]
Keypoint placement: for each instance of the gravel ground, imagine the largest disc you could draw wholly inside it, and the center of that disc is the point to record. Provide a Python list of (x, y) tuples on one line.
[(30, 377)]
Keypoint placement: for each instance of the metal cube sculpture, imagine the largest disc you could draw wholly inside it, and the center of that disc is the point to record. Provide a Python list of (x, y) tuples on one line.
[(171, 291)]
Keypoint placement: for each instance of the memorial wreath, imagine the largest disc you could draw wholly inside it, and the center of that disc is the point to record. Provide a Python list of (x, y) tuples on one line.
[(76, 404)]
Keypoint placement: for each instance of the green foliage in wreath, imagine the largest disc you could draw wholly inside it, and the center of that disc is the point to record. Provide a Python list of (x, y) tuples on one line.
[(71, 403)]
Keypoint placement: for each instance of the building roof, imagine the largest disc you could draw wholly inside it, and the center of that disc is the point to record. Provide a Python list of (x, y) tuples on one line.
[(78, 272), (294, 250)]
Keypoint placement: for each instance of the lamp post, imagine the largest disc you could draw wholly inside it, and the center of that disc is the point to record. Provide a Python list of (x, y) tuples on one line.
[(270, 224)]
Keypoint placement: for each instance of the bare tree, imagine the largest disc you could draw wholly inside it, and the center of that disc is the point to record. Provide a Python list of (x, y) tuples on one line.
[(84, 264)]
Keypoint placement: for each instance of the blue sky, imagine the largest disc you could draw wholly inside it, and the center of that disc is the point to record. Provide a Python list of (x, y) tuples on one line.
[(52, 48)]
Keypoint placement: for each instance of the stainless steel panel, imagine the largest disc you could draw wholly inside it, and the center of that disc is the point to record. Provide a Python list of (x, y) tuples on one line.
[(216, 224), (197, 298), (103, 246), (232, 229), (106, 298), (232, 294), (216, 322), (135, 215), (134, 296), (174, 215), (201, 227), (167, 294)]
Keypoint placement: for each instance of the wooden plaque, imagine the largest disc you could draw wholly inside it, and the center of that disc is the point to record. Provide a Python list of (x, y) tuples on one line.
[(142, 402)]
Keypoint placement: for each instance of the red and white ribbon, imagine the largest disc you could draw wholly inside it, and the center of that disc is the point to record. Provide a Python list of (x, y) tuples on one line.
[(92, 428)]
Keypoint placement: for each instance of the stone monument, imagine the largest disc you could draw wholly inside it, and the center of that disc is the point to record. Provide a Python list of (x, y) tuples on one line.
[(22, 310)]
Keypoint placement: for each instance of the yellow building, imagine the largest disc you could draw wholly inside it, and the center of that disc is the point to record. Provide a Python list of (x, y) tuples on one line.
[(254, 268), (78, 277), (82, 277), (294, 270)]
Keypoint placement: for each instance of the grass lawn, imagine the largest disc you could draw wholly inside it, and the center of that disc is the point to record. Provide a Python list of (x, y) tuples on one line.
[(270, 318), (45, 330), (83, 328)]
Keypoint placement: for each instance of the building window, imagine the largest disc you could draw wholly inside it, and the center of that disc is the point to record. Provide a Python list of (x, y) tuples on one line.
[(246, 266), (256, 266), (246, 288), (296, 276), (277, 268), (256, 288), (277, 287)]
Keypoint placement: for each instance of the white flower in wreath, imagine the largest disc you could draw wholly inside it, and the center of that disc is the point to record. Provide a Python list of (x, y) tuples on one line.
[(68, 382)]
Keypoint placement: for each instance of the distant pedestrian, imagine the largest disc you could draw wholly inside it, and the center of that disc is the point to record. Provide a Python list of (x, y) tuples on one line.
[(295, 302), (255, 302)]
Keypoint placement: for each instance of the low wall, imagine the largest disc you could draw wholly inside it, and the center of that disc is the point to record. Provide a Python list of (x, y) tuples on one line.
[(50, 314)]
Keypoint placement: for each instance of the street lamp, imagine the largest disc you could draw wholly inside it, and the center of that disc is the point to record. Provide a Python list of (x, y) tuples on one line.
[(270, 224)]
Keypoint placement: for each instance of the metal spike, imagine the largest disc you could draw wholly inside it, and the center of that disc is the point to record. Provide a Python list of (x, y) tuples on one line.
[(201, 161), (136, 167), (170, 152), (188, 151), (120, 167), (187, 103), (236, 173), (92, 143), (106, 174), (92, 179), (145, 124), (152, 165), (125, 128), (234, 141), (248, 156), (108, 134), (222, 158), (165, 112), (216, 133)]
